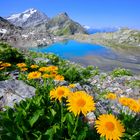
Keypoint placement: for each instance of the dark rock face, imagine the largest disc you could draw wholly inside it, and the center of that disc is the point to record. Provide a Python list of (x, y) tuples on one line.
[(28, 18)]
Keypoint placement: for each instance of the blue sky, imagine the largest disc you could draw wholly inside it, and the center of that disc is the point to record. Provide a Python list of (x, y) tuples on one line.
[(95, 13)]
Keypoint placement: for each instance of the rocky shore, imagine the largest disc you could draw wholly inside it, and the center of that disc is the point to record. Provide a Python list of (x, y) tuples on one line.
[(14, 90)]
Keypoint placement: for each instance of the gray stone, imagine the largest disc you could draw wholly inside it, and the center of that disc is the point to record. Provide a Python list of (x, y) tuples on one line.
[(13, 91), (61, 83), (87, 88), (78, 86), (44, 60)]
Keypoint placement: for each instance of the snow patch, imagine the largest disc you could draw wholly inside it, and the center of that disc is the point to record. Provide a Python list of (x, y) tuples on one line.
[(31, 11), (26, 14), (86, 27), (31, 33), (25, 36), (14, 16), (38, 40), (3, 31), (44, 39)]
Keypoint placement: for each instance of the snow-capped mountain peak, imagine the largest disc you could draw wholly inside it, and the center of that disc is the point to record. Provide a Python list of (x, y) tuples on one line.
[(28, 18), (31, 11)]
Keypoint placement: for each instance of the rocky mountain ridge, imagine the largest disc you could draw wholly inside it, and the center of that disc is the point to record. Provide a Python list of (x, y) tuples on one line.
[(63, 25), (40, 33)]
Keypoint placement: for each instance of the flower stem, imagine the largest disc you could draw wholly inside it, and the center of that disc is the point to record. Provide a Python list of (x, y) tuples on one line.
[(76, 124), (135, 135), (61, 114), (45, 82)]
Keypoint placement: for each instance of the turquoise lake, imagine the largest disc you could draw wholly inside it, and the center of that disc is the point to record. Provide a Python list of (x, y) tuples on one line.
[(91, 54)]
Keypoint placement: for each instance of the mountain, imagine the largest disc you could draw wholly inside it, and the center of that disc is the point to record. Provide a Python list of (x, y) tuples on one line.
[(28, 18), (91, 30), (122, 37), (33, 28), (63, 25), (6, 26), (19, 37)]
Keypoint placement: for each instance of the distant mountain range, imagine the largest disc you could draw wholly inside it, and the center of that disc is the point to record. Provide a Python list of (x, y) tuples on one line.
[(91, 30)]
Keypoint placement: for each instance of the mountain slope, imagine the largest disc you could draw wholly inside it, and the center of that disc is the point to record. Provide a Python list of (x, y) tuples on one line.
[(63, 25), (5, 24), (8, 31), (18, 37), (126, 37), (30, 17)]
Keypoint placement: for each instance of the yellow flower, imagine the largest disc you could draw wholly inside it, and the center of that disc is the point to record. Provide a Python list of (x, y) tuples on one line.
[(111, 96), (59, 77), (139, 100), (34, 75), (34, 66), (135, 106), (52, 68), (59, 93), (123, 101), (43, 69), (24, 69), (0, 62), (80, 102), (5, 64), (53, 73), (46, 76), (21, 65), (72, 85), (107, 125), (130, 101)]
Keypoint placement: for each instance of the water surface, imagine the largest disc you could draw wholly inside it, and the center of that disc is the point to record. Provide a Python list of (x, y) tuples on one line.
[(91, 54)]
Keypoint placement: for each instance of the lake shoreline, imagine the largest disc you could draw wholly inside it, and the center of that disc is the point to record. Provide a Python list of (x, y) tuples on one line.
[(91, 54)]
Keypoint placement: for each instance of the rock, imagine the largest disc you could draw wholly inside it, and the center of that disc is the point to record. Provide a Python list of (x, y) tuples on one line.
[(14, 74), (61, 83), (13, 91), (39, 59), (78, 86), (90, 119), (87, 88)]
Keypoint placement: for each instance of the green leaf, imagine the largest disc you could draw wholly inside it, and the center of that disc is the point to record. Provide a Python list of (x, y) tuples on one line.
[(18, 138), (53, 112), (82, 134), (102, 138), (70, 118), (35, 117), (53, 130)]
